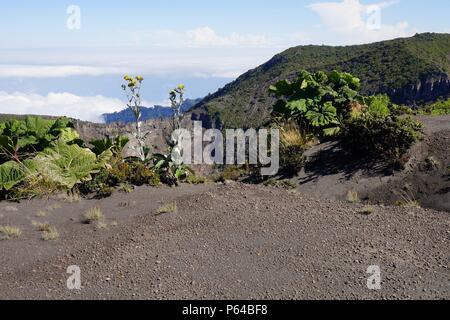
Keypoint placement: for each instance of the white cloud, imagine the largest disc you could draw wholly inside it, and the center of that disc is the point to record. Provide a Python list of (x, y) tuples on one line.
[(222, 62), (58, 71), (207, 37), (59, 104), (359, 23), (202, 37)]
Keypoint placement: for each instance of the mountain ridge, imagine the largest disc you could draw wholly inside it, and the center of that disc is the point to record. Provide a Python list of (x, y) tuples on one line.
[(148, 113), (411, 71)]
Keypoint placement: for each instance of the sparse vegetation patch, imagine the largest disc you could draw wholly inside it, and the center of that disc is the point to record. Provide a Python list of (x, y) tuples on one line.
[(9, 232), (93, 215)]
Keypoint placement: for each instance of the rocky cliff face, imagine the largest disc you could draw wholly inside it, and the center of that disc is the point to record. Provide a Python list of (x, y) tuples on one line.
[(157, 139), (427, 89)]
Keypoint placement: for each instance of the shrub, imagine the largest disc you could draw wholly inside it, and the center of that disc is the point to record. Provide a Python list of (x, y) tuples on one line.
[(381, 138), (133, 173), (317, 101), (231, 173), (194, 179), (139, 174), (170, 171), (440, 108), (402, 110), (378, 106), (285, 184)]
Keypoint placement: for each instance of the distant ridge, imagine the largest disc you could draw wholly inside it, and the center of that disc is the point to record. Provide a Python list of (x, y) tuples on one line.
[(410, 70), (157, 112)]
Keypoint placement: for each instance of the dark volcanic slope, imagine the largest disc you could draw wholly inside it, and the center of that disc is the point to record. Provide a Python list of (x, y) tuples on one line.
[(410, 70), (239, 242)]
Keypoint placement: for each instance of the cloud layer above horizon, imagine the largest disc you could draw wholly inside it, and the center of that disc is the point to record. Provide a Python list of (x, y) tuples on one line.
[(59, 104)]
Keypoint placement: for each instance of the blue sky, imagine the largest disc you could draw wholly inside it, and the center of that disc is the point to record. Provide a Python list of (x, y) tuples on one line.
[(46, 67)]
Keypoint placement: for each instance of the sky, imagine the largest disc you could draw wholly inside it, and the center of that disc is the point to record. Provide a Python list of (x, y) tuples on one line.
[(69, 57)]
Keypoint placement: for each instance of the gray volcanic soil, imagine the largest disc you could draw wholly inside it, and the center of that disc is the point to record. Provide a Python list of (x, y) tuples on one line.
[(331, 173), (230, 241)]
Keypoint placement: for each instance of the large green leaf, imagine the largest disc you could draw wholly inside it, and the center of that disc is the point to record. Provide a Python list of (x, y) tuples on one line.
[(297, 105), (281, 88), (11, 174), (68, 165), (116, 146), (323, 115), (68, 135), (21, 139)]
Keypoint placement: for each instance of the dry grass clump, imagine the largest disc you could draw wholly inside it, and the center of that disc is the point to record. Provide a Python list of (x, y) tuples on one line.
[(9, 232), (51, 234), (367, 210), (407, 199), (352, 196), (294, 141), (292, 135), (41, 213), (168, 208), (93, 215), (41, 226)]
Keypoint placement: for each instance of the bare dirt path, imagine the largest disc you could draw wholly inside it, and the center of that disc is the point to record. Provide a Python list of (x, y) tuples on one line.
[(239, 242)]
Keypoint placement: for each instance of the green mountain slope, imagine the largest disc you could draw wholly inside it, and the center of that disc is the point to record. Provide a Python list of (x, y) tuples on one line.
[(409, 70)]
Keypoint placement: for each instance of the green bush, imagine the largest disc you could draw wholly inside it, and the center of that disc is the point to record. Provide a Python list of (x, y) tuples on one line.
[(378, 106), (231, 173), (440, 108), (130, 173), (317, 101), (387, 138), (170, 172), (22, 139), (194, 179)]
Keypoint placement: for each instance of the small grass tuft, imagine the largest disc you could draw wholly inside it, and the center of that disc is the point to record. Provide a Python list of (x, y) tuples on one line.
[(367, 211), (93, 215), (285, 184), (101, 225), (168, 208), (126, 188), (54, 206), (9, 232), (352, 196), (72, 197), (42, 227), (407, 199), (51, 234), (41, 213)]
